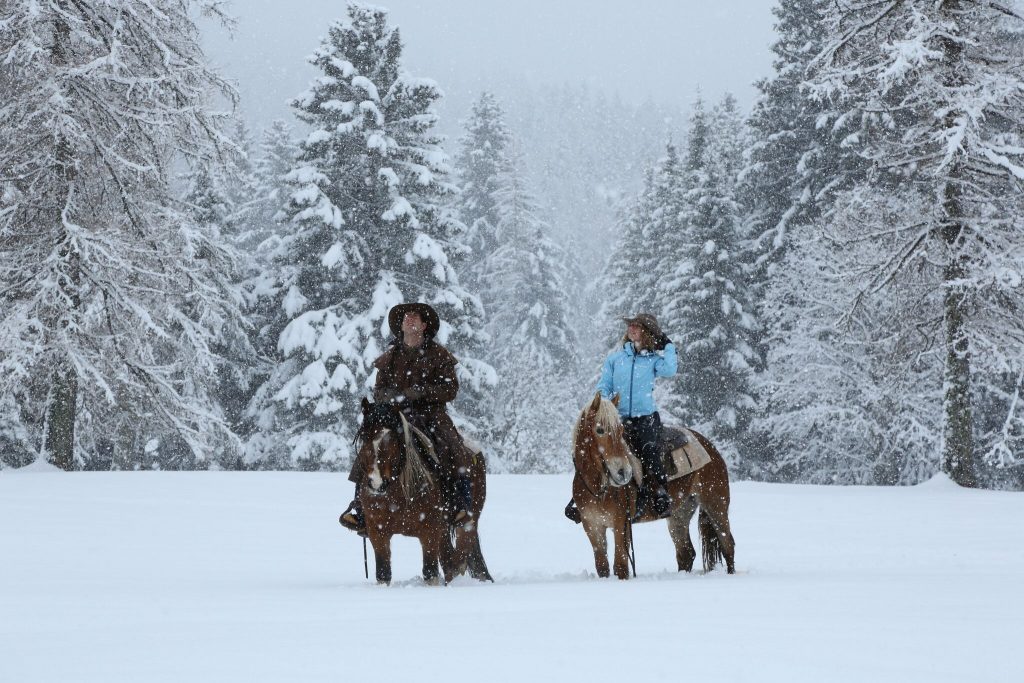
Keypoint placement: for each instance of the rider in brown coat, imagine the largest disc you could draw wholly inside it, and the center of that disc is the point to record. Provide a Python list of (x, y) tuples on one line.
[(418, 375)]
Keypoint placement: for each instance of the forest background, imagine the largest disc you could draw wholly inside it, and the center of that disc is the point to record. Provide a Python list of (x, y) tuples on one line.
[(196, 278)]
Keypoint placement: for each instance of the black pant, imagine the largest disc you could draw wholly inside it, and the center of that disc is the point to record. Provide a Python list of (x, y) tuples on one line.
[(643, 434)]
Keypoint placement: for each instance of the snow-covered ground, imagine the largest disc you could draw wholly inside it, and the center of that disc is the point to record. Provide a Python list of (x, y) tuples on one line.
[(147, 577)]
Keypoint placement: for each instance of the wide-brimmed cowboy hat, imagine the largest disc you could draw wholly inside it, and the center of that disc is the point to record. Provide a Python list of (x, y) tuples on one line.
[(427, 314), (646, 321)]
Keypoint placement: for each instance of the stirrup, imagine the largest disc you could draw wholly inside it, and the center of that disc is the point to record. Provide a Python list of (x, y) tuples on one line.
[(662, 504), (573, 512), (352, 518)]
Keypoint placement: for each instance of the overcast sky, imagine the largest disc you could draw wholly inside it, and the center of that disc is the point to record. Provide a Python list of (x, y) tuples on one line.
[(662, 49)]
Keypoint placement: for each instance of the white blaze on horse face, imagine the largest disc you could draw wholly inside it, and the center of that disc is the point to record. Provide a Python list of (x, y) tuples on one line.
[(374, 479)]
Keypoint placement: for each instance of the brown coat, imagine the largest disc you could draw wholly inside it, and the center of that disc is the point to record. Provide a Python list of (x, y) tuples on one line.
[(425, 378)]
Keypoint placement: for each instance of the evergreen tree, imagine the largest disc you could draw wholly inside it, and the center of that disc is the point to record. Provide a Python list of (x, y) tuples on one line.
[(707, 300), (535, 346), (114, 302), (940, 103), (369, 228), (629, 276), (275, 160), (482, 162), (218, 203), (794, 159)]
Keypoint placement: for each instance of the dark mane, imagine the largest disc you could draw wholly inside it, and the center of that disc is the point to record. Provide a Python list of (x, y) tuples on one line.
[(376, 417)]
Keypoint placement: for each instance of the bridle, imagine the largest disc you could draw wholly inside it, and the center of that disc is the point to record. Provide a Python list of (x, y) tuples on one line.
[(597, 430)]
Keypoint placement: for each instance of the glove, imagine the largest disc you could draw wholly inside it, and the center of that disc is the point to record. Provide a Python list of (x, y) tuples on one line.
[(388, 395), (414, 393)]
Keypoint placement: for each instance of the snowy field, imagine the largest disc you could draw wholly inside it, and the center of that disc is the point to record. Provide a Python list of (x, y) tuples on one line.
[(192, 577)]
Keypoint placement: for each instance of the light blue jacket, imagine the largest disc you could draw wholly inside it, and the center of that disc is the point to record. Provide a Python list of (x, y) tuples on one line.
[(631, 375)]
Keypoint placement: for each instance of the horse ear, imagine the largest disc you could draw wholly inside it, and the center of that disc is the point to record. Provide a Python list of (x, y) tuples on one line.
[(364, 404), (596, 403), (615, 400)]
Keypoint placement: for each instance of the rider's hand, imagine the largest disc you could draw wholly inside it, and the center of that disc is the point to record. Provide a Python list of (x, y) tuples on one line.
[(414, 393), (389, 395)]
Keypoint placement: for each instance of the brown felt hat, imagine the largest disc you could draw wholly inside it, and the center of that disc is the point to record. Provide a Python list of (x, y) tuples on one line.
[(646, 321), (428, 314)]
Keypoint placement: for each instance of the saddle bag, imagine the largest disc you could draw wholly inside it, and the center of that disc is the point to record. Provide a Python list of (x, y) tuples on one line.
[(682, 453)]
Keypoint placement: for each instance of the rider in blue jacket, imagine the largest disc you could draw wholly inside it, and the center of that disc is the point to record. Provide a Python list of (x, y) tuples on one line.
[(630, 371)]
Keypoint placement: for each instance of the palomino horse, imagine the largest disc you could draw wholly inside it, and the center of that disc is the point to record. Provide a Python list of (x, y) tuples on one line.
[(604, 469), (402, 495)]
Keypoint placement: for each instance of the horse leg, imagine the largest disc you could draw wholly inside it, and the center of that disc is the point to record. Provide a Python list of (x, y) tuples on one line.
[(596, 533), (679, 530), (461, 549), (431, 554), (382, 557), (716, 536), (621, 550), (477, 565)]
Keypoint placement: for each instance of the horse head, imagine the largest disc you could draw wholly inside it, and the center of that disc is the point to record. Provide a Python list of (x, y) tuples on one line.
[(382, 445), (599, 449)]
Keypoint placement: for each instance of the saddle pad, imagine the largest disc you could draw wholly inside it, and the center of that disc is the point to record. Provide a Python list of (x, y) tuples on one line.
[(688, 458)]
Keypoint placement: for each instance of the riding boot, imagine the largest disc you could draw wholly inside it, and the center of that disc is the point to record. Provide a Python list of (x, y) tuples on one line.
[(463, 500), (352, 518), (573, 512), (658, 495)]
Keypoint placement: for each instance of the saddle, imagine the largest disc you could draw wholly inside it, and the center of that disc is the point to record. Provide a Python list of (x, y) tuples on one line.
[(681, 452)]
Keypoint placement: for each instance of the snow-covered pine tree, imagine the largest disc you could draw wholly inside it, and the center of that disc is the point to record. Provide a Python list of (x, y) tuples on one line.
[(274, 160), (708, 306), (794, 158), (369, 228), (113, 299), (941, 104), (527, 278), (218, 202), (629, 276), (482, 163)]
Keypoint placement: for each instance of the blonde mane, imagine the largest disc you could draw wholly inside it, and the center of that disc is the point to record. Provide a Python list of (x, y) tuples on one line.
[(606, 412)]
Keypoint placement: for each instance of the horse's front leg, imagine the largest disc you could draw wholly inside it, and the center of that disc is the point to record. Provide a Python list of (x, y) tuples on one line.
[(382, 556), (595, 531), (621, 549)]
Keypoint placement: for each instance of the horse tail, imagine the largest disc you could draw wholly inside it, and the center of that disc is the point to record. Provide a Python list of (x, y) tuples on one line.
[(711, 546)]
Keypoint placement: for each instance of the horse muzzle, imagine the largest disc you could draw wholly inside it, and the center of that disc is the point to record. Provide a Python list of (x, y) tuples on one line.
[(376, 485), (620, 472)]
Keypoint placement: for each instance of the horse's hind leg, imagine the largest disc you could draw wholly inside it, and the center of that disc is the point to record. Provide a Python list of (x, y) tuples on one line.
[(477, 566), (679, 530), (716, 536), (431, 555)]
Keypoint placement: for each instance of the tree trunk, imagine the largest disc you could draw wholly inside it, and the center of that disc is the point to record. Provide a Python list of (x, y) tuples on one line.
[(958, 442), (61, 412), (958, 448), (60, 419)]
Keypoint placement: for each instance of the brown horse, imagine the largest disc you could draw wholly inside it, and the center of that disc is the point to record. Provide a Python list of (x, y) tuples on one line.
[(403, 496), (605, 491)]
